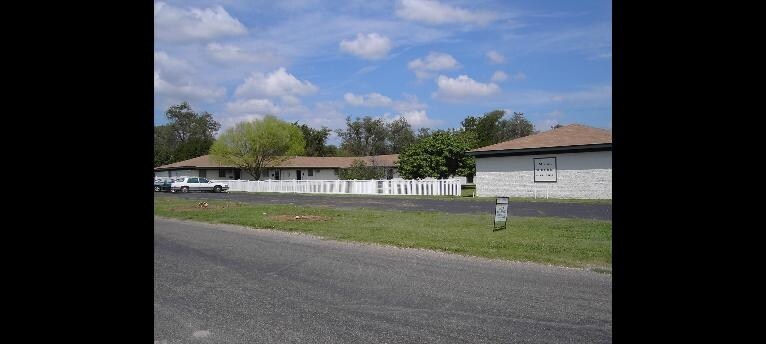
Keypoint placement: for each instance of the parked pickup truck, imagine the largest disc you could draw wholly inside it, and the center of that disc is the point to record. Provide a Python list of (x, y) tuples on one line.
[(188, 184)]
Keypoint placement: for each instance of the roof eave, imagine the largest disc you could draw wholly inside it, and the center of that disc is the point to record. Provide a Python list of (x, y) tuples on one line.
[(543, 150)]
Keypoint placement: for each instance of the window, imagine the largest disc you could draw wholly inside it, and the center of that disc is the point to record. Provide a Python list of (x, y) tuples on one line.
[(203, 180), (545, 169), (193, 180), (311, 172), (221, 173)]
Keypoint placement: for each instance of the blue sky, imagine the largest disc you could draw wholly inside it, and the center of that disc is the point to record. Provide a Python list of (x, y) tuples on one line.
[(433, 62)]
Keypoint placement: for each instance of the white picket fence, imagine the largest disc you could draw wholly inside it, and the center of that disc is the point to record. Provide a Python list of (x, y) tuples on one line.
[(435, 187)]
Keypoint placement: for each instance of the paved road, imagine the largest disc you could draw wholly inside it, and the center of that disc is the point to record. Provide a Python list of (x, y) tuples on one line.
[(571, 210), (229, 284)]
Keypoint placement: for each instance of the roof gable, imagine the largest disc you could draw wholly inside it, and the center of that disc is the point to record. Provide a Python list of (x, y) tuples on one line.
[(566, 136)]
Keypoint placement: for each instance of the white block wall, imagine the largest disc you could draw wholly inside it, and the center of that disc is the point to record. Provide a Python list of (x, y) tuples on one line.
[(579, 175)]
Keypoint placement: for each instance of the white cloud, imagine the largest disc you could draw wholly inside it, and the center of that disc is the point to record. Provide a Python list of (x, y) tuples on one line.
[(410, 103), (369, 100), (252, 107), (499, 76), (186, 91), (519, 76), (275, 84), (495, 57), (463, 87), (595, 95), (171, 69), (433, 12), (194, 24), (426, 68), (230, 121), (371, 46), (232, 53), (419, 119)]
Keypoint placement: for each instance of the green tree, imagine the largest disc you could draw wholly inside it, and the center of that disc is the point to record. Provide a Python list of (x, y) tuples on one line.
[(441, 155), (316, 140), (515, 127), (399, 135), (492, 128), (484, 129), (360, 171), (253, 145), (363, 136), (188, 134)]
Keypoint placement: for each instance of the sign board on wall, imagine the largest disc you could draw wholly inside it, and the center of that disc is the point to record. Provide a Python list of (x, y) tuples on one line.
[(501, 211), (545, 169)]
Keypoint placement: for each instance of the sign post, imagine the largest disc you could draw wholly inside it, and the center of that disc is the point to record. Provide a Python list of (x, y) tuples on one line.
[(501, 212)]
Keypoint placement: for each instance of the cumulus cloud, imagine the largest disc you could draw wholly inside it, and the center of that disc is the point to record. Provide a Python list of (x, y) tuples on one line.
[(433, 12), (171, 69), (275, 84), (232, 53), (186, 91), (419, 119), (369, 100), (499, 76), (230, 121), (426, 68), (252, 107), (495, 57), (410, 103), (371, 46), (194, 24), (463, 87)]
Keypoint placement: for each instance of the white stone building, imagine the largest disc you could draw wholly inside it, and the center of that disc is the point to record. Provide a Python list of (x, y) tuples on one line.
[(574, 161), (295, 168)]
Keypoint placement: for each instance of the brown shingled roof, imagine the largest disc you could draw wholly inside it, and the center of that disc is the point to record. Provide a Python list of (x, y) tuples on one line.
[(299, 161), (566, 136)]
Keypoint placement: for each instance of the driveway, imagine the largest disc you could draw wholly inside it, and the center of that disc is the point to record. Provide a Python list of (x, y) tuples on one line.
[(229, 284), (538, 209)]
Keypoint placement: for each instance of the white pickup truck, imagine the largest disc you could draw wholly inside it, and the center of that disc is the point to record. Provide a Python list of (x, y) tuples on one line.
[(187, 184)]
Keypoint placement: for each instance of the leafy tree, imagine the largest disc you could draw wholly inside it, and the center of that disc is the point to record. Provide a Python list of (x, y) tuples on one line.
[(360, 171), (515, 127), (400, 135), (316, 140), (164, 145), (188, 134), (362, 137), (253, 145), (492, 128), (186, 123), (423, 133), (441, 155)]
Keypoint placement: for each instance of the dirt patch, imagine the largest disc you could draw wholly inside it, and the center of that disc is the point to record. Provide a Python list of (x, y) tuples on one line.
[(283, 218)]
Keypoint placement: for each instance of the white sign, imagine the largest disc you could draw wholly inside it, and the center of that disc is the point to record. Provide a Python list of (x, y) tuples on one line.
[(545, 169), (501, 212)]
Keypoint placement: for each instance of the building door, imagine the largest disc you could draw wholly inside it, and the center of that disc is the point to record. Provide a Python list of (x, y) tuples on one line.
[(236, 174), (203, 173), (298, 174)]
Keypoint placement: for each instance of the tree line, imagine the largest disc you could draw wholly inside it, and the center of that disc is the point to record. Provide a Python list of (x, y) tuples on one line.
[(436, 153)]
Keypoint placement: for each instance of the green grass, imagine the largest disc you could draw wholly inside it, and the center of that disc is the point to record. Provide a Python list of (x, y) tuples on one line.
[(465, 198), (557, 241)]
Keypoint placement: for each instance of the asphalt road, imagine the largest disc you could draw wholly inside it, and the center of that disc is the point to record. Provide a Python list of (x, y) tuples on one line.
[(230, 284), (539, 209)]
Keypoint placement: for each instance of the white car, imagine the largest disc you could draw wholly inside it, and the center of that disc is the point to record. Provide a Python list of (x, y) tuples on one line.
[(187, 184)]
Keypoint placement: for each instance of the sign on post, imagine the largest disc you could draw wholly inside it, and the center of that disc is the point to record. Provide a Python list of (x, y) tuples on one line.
[(501, 211)]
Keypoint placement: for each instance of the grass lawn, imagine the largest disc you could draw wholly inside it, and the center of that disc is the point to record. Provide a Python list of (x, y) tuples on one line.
[(465, 198), (565, 242)]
